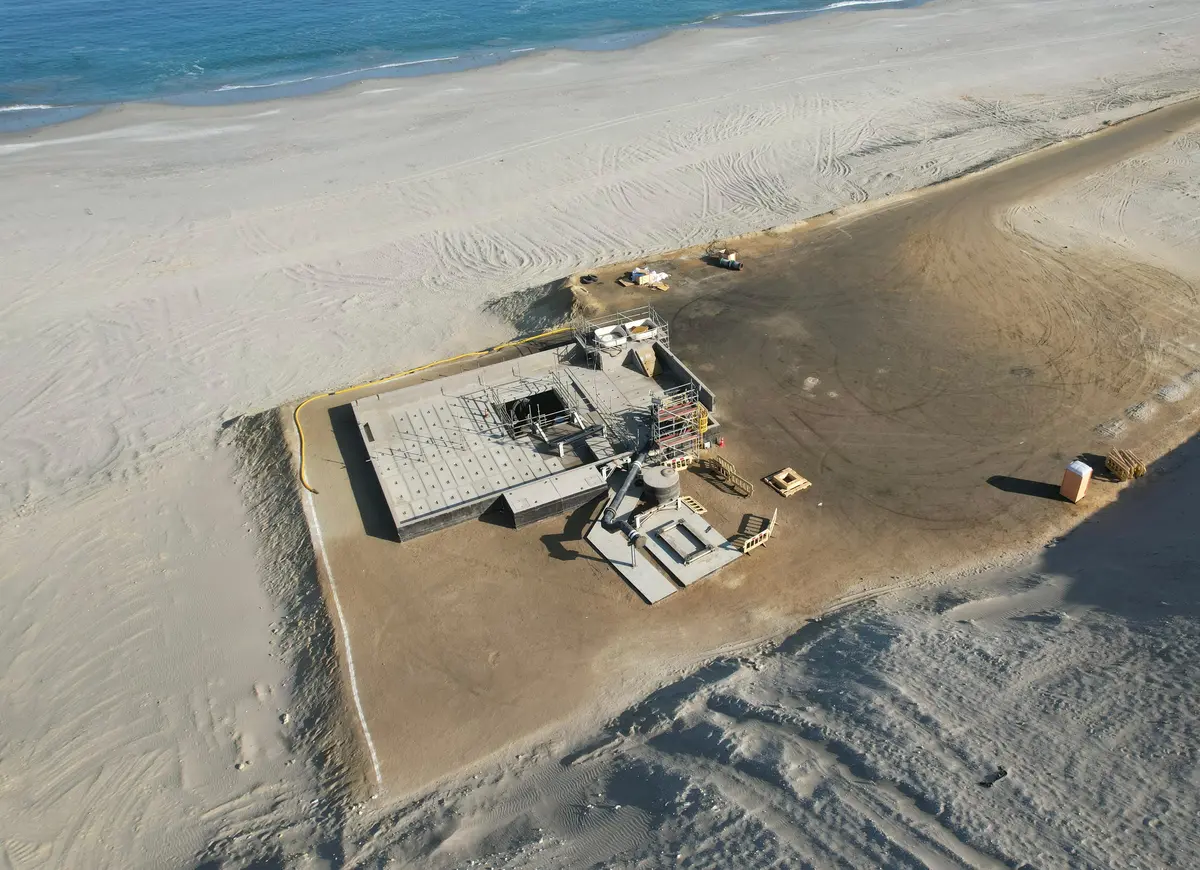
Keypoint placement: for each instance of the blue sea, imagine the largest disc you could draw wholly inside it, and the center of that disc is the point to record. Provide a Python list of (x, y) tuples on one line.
[(64, 58)]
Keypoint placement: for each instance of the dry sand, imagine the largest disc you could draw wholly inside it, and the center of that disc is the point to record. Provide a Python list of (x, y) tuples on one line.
[(166, 269)]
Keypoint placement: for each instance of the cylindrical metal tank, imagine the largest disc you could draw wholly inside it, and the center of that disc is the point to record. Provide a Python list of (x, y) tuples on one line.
[(661, 482)]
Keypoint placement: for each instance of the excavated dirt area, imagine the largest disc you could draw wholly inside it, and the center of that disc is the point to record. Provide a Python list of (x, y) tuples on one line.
[(930, 368)]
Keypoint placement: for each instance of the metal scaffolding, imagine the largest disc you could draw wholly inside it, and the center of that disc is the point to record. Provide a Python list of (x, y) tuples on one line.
[(678, 422), (634, 324)]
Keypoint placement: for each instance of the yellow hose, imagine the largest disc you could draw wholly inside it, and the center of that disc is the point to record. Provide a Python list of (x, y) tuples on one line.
[(296, 413)]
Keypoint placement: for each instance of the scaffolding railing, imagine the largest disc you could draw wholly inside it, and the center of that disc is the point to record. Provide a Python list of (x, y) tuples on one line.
[(677, 421), (644, 317), (622, 427), (490, 407)]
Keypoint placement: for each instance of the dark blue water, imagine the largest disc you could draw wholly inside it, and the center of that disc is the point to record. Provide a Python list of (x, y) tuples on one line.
[(84, 53)]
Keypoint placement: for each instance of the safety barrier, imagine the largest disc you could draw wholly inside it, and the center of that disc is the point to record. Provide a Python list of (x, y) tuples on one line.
[(762, 537), (725, 470), (680, 462)]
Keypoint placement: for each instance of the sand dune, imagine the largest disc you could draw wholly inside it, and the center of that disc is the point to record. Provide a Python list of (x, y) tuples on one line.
[(1127, 206), (166, 269)]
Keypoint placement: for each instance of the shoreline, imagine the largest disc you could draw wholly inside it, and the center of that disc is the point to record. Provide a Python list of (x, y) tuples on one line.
[(19, 118), (110, 117), (182, 142)]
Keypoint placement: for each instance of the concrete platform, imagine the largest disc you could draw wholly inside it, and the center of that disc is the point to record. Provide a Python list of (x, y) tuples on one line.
[(443, 454), (559, 494), (638, 569), (686, 546), (678, 541)]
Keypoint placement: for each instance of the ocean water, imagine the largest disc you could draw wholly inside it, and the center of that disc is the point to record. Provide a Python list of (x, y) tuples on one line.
[(65, 57)]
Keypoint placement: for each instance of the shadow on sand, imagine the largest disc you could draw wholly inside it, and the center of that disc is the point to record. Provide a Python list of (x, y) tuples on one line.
[(573, 532), (1139, 557), (1021, 486), (372, 505)]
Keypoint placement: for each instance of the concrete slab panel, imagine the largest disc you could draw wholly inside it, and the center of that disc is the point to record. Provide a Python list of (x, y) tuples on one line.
[(439, 445), (638, 569), (673, 549)]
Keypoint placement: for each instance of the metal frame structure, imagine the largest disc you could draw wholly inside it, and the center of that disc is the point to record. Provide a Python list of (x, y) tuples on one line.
[(623, 432), (585, 330), (677, 422), (497, 398)]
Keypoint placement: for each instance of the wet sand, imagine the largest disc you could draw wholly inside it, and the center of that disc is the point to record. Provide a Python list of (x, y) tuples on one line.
[(930, 368)]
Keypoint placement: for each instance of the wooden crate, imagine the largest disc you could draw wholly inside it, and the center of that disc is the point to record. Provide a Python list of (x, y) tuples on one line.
[(787, 482)]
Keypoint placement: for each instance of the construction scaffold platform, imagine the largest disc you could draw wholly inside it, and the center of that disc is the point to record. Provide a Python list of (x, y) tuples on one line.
[(613, 331), (678, 422)]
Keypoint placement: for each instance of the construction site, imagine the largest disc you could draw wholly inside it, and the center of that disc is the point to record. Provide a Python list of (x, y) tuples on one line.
[(610, 412), (489, 581)]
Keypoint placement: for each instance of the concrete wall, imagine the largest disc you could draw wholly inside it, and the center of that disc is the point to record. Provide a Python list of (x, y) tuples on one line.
[(469, 511), (557, 507), (675, 366)]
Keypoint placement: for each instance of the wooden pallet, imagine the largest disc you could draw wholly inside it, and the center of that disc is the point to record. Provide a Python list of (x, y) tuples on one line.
[(1125, 464), (787, 482)]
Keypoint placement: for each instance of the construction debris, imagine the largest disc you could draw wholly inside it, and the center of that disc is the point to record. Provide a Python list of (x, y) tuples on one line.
[(788, 482), (642, 276), (726, 259), (1125, 464)]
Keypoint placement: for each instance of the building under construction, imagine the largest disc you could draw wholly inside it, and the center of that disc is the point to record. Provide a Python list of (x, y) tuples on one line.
[(611, 411)]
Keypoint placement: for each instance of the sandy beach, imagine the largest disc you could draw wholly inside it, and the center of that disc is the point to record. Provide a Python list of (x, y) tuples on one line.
[(175, 693)]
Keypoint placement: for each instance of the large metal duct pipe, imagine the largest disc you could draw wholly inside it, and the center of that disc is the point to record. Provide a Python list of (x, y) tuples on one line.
[(609, 517)]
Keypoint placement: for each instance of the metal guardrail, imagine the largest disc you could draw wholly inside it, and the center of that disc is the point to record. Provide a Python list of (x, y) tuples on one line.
[(585, 328)]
